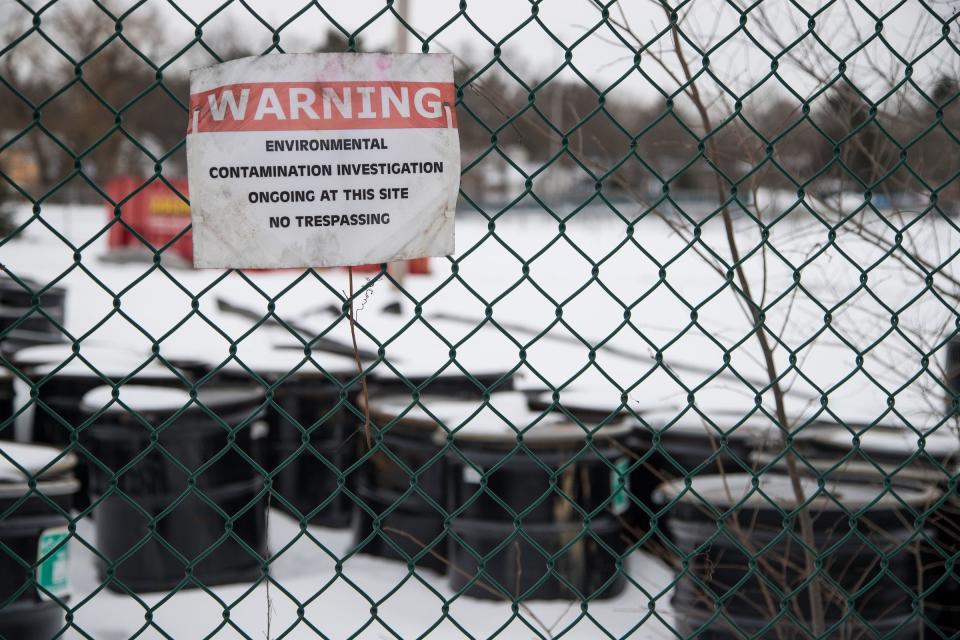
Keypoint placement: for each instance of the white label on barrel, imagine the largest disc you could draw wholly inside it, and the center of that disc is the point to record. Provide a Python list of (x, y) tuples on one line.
[(620, 473), (326, 159), (53, 572)]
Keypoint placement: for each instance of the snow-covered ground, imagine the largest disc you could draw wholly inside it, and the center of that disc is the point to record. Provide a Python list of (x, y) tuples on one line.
[(686, 311), (559, 297)]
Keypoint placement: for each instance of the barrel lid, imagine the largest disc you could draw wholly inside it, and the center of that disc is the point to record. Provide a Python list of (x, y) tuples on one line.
[(890, 444), (267, 361), (33, 458), (56, 353), (584, 404), (112, 363), (416, 374), (472, 420), (776, 491), (168, 400), (755, 429), (854, 468)]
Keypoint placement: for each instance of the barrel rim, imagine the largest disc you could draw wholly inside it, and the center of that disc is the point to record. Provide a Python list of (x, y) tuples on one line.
[(216, 398), (62, 461), (53, 488), (715, 493), (537, 427)]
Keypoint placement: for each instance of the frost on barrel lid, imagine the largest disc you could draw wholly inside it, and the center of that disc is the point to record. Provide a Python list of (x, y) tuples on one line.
[(775, 492), (96, 354), (584, 404), (20, 461), (165, 401), (115, 364), (498, 421), (267, 361)]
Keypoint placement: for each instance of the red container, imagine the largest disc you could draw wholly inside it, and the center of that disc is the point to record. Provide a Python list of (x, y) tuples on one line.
[(156, 212)]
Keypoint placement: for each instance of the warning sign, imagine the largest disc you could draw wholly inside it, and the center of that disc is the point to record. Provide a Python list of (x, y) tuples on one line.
[(299, 160)]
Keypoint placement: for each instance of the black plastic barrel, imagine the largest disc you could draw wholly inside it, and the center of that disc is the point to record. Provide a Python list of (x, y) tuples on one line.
[(396, 517), (23, 325), (311, 436), (721, 525), (312, 440), (706, 441), (57, 415), (61, 383), (635, 466), (6, 405), (144, 462), (33, 528), (891, 450), (532, 522)]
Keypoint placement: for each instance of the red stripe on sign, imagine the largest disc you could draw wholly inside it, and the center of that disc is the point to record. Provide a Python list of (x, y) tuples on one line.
[(305, 106)]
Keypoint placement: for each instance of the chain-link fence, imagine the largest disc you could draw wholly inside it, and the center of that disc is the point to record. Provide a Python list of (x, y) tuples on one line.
[(691, 372)]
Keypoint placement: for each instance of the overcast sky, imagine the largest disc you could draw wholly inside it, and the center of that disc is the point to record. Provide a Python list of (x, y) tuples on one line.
[(532, 52)]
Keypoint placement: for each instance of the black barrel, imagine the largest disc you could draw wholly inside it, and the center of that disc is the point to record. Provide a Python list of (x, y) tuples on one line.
[(22, 325), (6, 404), (312, 435), (721, 524), (532, 521), (891, 450), (60, 383), (396, 517), (695, 440), (634, 467), (313, 439), (33, 528), (221, 511)]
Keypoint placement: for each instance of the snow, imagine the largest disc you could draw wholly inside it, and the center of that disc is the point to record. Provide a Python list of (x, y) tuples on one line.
[(137, 397), (500, 419), (776, 493), (644, 297), (304, 563), (31, 458)]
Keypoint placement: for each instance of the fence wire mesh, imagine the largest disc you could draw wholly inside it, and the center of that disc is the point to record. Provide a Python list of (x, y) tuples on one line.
[(692, 372)]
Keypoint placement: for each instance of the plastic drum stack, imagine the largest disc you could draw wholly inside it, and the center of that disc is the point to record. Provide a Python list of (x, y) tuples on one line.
[(172, 483), (635, 471), (892, 450), (534, 509), (60, 380), (34, 531), (401, 487), (741, 566), (6, 405), (397, 516), (311, 437)]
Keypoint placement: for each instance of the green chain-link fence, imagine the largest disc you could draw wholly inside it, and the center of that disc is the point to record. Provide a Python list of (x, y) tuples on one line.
[(692, 372)]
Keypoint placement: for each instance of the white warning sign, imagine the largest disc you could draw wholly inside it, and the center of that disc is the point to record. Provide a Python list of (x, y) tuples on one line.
[(300, 160)]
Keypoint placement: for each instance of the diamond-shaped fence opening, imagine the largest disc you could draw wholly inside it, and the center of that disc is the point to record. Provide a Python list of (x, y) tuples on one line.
[(691, 372)]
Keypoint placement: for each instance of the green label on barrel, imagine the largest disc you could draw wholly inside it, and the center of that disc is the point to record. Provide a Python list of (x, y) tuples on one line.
[(619, 485), (53, 571)]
